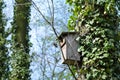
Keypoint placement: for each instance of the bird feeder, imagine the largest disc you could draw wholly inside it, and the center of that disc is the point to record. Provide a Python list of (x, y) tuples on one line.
[(69, 47)]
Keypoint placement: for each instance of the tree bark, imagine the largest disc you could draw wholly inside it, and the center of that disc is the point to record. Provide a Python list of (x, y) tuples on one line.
[(20, 59)]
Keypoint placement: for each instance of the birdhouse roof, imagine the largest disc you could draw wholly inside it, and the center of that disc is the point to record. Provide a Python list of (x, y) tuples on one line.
[(64, 34)]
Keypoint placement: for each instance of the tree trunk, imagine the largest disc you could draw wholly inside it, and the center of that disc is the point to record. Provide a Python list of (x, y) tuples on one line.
[(3, 49), (20, 59)]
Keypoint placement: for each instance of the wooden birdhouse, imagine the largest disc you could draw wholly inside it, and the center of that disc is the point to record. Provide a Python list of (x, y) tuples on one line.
[(69, 47)]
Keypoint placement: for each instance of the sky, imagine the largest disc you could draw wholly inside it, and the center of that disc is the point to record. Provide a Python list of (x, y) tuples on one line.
[(41, 31)]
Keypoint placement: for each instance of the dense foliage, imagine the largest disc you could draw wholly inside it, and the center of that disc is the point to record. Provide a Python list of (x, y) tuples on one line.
[(3, 49), (20, 59), (97, 21)]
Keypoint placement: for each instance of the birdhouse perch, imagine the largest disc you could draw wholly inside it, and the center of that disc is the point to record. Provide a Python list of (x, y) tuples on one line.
[(69, 47)]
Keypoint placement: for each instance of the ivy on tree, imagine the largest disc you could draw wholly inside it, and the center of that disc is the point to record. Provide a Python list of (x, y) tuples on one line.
[(98, 25), (3, 50), (20, 58)]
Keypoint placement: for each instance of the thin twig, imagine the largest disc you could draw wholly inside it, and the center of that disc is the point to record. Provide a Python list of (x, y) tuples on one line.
[(52, 25), (49, 7), (35, 6)]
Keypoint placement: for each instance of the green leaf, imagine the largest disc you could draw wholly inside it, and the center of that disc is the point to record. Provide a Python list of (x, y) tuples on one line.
[(104, 76), (106, 54), (78, 38), (81, 49), (94, 49)]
